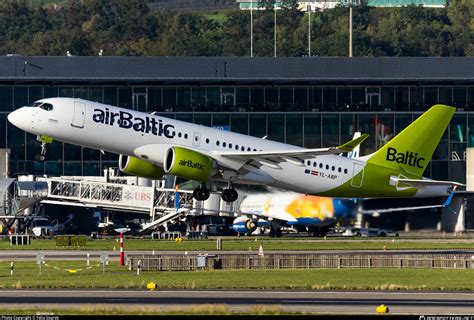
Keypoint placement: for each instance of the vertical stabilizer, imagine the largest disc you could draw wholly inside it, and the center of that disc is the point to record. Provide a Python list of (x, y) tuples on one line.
[(411, 150)]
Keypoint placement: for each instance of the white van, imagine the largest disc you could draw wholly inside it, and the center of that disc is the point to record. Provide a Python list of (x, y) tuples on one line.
[(40, 227)]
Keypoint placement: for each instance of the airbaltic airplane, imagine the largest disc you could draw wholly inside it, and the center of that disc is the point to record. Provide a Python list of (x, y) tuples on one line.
[(151, 146)]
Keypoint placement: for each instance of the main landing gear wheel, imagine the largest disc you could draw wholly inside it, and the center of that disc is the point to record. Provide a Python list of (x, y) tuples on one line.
[(201, 193), (229, 195), (275, 233)]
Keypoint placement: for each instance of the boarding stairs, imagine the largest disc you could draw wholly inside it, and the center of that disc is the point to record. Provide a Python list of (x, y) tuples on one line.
[(176, 214)]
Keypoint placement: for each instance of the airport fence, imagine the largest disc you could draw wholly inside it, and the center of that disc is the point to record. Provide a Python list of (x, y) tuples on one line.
[(174, 262)]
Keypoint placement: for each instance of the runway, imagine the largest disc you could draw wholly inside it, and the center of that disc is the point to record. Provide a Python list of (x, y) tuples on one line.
[(8, 255), (354, 302)]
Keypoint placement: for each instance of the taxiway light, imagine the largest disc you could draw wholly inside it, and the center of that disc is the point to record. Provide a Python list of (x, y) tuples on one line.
[(382, 309), (151, 286)]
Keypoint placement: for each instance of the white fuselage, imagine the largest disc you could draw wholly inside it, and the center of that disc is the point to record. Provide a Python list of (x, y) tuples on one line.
[(99, 126)]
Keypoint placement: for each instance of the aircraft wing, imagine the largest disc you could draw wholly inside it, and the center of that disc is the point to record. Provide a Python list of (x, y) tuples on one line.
[(377, 211), (424, 183), (253, 215), (446, 204), (272, 158)]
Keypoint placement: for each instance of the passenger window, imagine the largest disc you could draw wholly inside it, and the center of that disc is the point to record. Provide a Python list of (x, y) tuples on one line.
[(321, 165), (46, 106), (185, 136), (179, 134), (224, 144), (327, 167), (207, 140), (242, 148), (315, 164), (250, 149), (339, 169), (345, 171), (333, 168), (308, 163), (217, 143), (236, 147), (230, 145)]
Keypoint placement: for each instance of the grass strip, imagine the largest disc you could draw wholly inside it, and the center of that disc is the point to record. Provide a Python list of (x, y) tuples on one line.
[(26, 275), (245, 245), (203, 309)]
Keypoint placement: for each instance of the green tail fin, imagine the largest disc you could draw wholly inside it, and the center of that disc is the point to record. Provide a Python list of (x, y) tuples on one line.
[(411, 150)]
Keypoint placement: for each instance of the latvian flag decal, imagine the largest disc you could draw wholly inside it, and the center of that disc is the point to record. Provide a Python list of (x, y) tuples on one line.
[(312, 172)]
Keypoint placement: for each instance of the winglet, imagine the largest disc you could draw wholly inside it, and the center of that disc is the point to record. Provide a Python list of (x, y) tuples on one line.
[(447, 204), (350, 145)]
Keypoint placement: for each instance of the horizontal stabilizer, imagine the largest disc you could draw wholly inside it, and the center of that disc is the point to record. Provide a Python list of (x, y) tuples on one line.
[(425, 183)]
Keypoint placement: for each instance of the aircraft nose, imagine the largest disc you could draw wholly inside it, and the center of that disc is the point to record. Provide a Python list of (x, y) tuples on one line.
[(14, 117), (18, 119)]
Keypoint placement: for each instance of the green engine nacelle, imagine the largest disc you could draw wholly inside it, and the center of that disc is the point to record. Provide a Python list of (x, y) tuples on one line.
[(140, 168), (187, 164)]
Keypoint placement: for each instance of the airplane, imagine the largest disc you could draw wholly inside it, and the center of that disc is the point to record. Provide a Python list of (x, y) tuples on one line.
[(303, 213), (151, 146)]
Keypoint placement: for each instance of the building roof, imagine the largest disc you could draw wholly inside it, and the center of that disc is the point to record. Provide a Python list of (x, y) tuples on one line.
[(28, 69)]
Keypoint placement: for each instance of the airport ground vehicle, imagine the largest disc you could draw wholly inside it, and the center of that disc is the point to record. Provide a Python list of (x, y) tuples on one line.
[(368, 232), (40, 227)]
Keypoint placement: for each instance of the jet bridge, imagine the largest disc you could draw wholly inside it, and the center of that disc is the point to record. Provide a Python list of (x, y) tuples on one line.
[(159, 203), (18, 200)]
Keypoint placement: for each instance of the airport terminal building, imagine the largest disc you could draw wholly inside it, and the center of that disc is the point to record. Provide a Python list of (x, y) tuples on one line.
[(310, 102)]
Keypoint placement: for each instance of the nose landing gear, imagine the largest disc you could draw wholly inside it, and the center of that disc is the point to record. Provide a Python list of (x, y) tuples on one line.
[(44, 141)]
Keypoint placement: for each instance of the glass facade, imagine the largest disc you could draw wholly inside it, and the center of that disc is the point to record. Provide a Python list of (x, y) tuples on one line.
[(308, 116)]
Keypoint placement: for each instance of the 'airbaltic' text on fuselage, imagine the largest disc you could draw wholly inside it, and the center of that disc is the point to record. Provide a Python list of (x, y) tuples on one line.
[(191, 164), (126, 120), (408, 158)]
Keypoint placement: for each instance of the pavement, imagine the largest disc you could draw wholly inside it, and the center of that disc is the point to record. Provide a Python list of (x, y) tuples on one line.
[(327, 302)]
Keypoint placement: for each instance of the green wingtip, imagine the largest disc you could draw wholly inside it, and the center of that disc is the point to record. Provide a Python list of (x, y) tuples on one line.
[(350, 145)]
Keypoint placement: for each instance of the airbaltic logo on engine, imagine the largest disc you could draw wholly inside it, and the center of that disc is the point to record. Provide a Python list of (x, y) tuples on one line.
[(126, 120), (405, 158), (191, 164)]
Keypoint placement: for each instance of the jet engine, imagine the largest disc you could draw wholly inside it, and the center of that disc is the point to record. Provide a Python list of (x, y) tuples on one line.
[(140, 168), (187, 164), (244, 225)]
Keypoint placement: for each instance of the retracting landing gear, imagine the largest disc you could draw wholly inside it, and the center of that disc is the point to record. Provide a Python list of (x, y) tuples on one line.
[(229, 194), (201, 193), (42, 156), (44, 141)]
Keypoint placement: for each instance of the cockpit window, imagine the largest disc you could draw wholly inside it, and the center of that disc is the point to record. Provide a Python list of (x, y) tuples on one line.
[(46, 106)]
